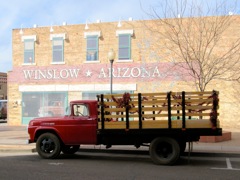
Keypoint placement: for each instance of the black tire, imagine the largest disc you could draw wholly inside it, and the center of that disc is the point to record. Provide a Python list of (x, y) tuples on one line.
[(48, 146), (164, 151), (68, 149)]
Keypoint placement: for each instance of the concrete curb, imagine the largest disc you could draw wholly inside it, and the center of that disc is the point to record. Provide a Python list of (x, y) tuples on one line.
[(16, 148)]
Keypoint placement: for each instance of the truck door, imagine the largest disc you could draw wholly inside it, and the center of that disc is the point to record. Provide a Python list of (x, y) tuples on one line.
[(81, 128)]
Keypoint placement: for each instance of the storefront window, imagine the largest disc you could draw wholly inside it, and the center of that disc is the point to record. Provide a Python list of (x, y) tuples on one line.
[(42, 104)]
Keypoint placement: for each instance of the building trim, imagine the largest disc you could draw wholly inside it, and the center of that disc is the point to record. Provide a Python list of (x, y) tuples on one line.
[(93, 33), (130, 31), (34, 37), (79, 87), (63, 35)]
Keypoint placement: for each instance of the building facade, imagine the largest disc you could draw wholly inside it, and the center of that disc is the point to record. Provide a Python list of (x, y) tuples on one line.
[(3, 85), (54, 65)]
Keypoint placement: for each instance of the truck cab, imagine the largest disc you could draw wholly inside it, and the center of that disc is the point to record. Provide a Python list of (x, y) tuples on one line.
[(78, 126)]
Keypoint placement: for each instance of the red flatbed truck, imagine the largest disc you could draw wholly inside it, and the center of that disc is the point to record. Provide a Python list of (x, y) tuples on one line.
[(163, 121)]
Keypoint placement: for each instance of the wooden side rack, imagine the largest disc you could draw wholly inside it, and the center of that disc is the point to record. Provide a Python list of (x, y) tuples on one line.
[(158, 110)]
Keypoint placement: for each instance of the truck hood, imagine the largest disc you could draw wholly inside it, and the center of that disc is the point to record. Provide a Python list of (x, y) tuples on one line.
[(46, 121)]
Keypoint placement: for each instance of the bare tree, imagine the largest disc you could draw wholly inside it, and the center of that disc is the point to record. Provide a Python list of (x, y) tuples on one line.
[(200, 37)]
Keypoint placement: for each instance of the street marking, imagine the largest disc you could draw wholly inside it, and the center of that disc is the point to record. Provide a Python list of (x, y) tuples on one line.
[(229, 166), (55, 164)]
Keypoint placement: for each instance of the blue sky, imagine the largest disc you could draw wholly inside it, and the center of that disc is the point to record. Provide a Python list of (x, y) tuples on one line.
[(26, 13)]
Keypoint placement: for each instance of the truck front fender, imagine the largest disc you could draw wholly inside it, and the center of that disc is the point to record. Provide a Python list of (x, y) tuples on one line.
[(39, 131)]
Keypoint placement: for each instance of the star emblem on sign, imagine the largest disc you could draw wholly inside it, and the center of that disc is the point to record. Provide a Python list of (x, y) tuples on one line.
[(88, 73)]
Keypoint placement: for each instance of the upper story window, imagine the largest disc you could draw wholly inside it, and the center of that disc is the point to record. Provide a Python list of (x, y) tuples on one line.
[(29, 49), (57, 48), (92, 47), (124, 47), (124, 44)]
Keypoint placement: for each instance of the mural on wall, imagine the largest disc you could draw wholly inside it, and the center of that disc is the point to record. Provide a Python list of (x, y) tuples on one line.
[(122, 72), (169, 74)]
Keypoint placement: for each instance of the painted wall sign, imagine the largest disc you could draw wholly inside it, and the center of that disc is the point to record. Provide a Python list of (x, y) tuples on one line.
[(94, 73)]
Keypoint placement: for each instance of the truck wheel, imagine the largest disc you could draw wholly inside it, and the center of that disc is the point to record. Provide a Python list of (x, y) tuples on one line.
[(70, 149), (164, 151), (48, 146)]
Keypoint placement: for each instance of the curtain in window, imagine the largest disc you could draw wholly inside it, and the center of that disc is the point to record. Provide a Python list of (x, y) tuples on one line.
[(92, 48)]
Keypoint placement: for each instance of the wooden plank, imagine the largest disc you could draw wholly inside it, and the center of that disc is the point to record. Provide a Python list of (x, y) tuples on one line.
[(152, 102), (154, 94), (154, 115), (161, 102), (135, 115), (205, 92), (198, 107), (197, 114), (198, 97), (114, 109), (154, 108), (115, 116), (199, 101), (150, 124)]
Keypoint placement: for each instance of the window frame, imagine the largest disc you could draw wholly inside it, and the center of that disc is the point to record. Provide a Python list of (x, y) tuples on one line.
[(25, 39), (128, 46), (96, 50), (26, 51), (62, 50)]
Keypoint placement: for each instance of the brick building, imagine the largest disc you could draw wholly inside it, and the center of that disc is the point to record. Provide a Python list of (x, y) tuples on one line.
[(54, 65), (3, 85)]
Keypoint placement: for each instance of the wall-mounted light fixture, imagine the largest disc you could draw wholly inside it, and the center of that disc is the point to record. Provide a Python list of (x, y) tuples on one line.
[(21, 30), (51, 29), (86, 26), (119, 23)]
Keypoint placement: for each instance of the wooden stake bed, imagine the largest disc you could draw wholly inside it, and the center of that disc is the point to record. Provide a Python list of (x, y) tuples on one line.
[(158, 110)]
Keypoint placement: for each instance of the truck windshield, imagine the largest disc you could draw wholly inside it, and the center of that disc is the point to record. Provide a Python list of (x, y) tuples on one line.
[(80, 110)]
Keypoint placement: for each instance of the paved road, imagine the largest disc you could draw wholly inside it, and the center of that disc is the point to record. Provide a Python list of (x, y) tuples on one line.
[(119, 166)]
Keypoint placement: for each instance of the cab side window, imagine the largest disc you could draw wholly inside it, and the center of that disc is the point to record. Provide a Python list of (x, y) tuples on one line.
[(80, 110)]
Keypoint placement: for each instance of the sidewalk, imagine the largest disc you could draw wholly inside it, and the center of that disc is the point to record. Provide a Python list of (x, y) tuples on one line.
[(14, 139)]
